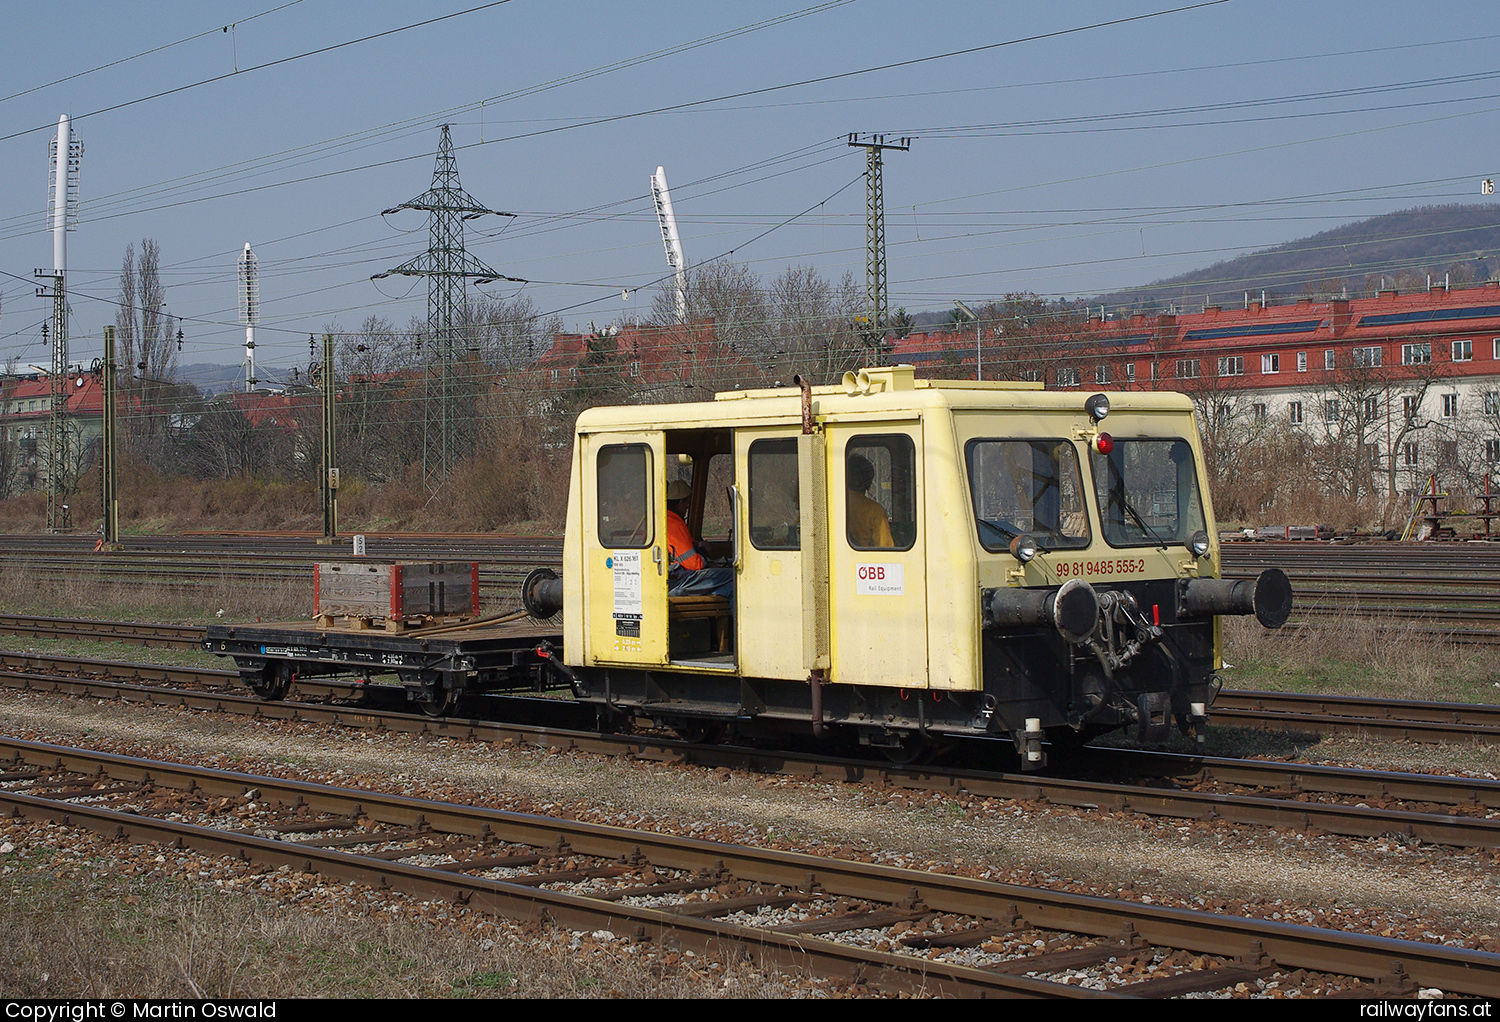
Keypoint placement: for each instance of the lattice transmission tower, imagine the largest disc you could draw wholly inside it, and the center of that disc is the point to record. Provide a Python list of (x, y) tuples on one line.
[(448, 432), (872, 325)]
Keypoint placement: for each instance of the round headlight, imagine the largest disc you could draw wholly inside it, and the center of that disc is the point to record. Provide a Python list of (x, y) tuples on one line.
[(1097, 407), (1198, 543), (1023, 548)]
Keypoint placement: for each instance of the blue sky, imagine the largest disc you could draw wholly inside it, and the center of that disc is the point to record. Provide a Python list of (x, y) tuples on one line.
[(1081, 160)]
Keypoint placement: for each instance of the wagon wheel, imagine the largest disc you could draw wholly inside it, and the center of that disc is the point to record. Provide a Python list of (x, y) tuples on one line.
[(700, 732), (443, 701), (909, 750), (272, 681)]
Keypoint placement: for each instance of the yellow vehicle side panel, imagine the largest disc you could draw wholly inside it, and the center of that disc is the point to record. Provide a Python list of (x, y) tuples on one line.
[(929, 634)]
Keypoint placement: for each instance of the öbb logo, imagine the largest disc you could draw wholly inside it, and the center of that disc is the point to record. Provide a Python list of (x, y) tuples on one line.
[(872, 572)]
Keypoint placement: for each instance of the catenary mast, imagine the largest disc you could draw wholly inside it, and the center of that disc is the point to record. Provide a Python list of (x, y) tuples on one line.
[(249, 311)]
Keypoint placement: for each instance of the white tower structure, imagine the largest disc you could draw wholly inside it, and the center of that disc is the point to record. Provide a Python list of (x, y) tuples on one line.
[(62, 192), (668, 221), (249, 311), (62, 195)]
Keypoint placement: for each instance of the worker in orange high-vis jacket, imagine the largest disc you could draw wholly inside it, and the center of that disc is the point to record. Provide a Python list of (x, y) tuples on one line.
[(688, 573)]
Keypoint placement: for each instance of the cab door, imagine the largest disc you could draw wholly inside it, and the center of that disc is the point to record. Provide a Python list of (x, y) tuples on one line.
[(769, 553), (877, 550), (625, 549)]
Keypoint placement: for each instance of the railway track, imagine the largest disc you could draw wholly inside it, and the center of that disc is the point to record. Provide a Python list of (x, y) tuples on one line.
[(1459, 812), (1448, 591), (1398, 719), (907, 930), (1402, 720)]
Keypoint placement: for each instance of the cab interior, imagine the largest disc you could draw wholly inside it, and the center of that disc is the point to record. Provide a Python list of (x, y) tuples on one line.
[(701, 628)]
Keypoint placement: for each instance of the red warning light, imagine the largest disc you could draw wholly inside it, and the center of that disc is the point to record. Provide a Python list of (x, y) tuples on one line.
[(1103, 443)]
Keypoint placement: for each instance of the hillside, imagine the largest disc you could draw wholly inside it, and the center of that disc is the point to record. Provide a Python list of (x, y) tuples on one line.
[(1395, 250)]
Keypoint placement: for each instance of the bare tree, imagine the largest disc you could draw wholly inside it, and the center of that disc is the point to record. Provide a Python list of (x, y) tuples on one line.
[(510, 333), (729, 296), (1233, 427), (10, 452), (812, 326), (224, 443), (144, 333), (1368, 412), (1031, 339)]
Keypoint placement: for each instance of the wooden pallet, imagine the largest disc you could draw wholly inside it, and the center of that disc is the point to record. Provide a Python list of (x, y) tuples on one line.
[(356, 623)]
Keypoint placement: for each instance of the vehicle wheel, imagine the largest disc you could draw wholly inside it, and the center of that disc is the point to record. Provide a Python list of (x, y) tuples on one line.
[(273, 681), (700, 732), (909, 750), (444, 699)]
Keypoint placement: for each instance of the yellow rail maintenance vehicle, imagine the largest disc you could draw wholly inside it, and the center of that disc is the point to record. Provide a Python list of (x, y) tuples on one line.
[(906, 561)]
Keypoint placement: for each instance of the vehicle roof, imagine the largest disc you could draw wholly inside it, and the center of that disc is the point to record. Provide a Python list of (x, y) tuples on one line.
[(872, 393)]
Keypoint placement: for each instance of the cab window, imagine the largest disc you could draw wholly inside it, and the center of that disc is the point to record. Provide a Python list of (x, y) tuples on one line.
[(775, 513), (1031, 487), (881, 493), (1147, 492), (624, 486)]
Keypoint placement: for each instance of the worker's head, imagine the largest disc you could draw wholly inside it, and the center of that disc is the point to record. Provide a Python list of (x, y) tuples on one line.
[(860, 473), (678, 492)]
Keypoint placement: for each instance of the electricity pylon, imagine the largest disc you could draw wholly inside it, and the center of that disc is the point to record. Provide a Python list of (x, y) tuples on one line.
[(447, 433), (872, 325)]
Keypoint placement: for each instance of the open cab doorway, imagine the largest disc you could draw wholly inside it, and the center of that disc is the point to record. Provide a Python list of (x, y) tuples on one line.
[(702, 580), (661, 554)]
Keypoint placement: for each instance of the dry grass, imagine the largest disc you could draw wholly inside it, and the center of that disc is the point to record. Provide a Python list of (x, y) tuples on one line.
[(1350, 655), (511, 486), (27, 589)]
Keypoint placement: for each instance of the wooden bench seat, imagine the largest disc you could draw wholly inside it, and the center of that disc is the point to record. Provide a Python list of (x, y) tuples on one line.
[(697, 608)]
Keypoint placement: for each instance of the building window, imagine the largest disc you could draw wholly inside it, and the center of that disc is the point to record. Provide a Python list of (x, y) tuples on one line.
[(1270, 364), (1101, 374), (554, 376), (1187, 369), (573, 374), (1130, 372), (1260, 413), (1372, 408), (1492, 451), (1450, 406), (1294, 412), (1232, 365), (1155, 368), (1067, 377), (635, 369), (1463, 351), (1492, 402), (1372, 455), (1328, 358), (1416, 354), (1495, 347), (1409, 407), (1033, 375), (1301, 361), (1409, 455), (1367, 357), (1331, 409)]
